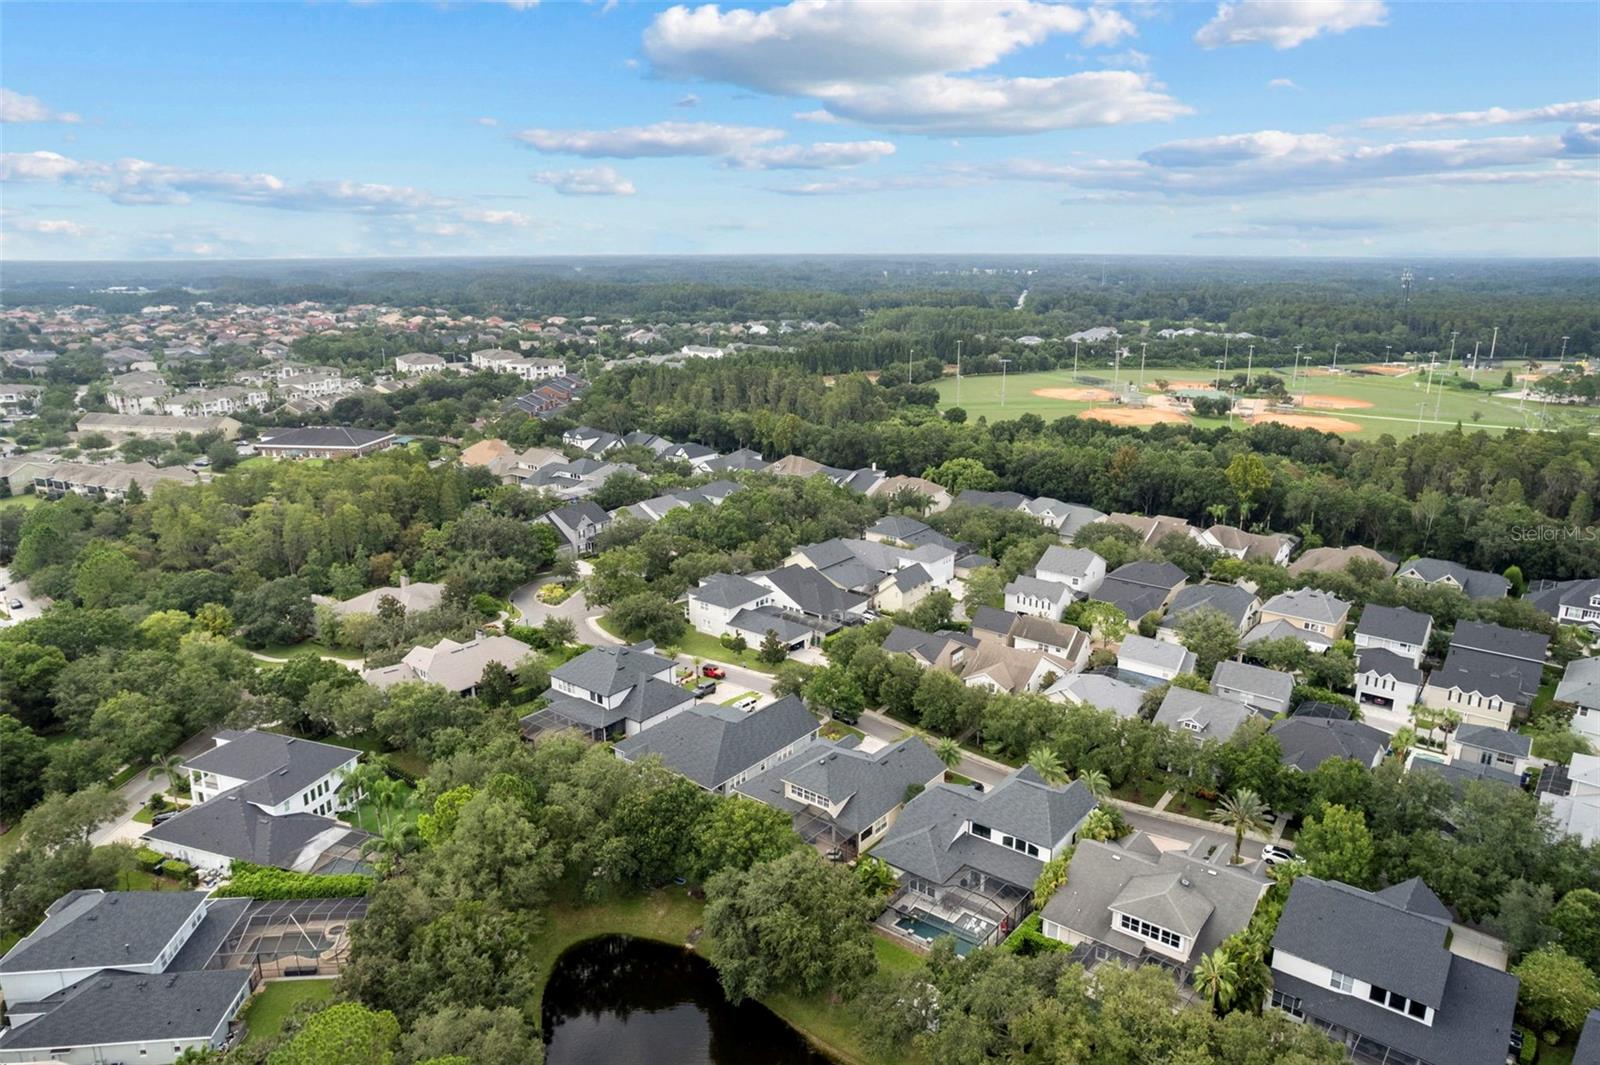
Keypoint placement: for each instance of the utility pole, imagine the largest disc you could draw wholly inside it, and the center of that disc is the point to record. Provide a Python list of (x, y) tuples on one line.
[(1296, 381), (1336, 356), (1475, 345), (1074, 361), (1563, 360), (1493, 341), (1003, 364), (1224, 354), (1116, 368), (1249, 365), (1142, 347), (958, 373), (909, 356), (1452, 356)]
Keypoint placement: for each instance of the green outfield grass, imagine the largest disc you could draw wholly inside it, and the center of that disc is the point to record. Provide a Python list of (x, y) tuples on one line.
[(1395, 401)]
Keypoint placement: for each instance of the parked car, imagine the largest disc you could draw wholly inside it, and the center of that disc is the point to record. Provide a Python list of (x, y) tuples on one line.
[(748, 703), (164, 816), (16, 604), (1273, 854), (703, 690), (714, 672)]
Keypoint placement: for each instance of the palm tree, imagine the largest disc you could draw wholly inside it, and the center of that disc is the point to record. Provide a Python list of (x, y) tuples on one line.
[(1402, 742), (1047, 763), (1214, 974), (1243, 811), (385, 792), (358, 782), (172, 766), (948, 751), (1096, 782), (389, 846)]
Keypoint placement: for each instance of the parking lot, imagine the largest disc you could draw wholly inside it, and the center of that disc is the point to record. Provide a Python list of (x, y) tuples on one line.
[(16, 592)]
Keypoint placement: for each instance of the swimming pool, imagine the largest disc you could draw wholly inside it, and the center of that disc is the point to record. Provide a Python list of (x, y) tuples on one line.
[(926, 927)]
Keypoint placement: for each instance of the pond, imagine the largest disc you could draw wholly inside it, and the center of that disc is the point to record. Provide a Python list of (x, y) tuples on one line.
[(617, 1000)]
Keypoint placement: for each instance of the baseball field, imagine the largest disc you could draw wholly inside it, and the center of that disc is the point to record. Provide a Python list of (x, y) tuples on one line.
[(1363, 401)]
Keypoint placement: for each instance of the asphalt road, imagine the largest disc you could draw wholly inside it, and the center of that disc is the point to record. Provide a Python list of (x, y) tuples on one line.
[(137, 792), (18, 590)]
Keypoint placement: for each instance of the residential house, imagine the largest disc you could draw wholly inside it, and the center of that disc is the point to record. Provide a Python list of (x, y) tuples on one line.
[(608, 691), (423, 595), (1310, 610), (911, 533), (1201, 716), (1140, 588), (890, 487), (591, 441), (156, 426), (719, 747), (1155, 659), (1575, 800), (1132, 902), (419, 362), (577, 479), (1337, 560), (1490, 674), (1151, 531), (803, 591), (1280, 629), (992, 621), (1307, 742), (1510, 752), (1040, 598), (996, 666), (1439, 573), (1238, 605), (1569, 602), (1266, 691), (740, 460), (969, 859), (697, 456), (1376, 972), (1064, 518), (456, 667), (843, 797), (579, 524), (15, 399), (1099, 691), (931, 650), (322, 442), (1388, 685), (106, 977), (1251, 547), (1405, 632), (991, 500), (1076, 567), (1056, 638), (1580, 689), (51, 479), (138, 393), (264, 798)]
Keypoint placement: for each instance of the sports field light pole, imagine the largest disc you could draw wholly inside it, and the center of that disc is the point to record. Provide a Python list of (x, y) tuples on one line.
[(1003, 364), (909, 356), (1074, 360), (1296, 380), (1249, 365), (1563, 360), (1476, 344), (1142, 347), (958, 373), (1336, 356)]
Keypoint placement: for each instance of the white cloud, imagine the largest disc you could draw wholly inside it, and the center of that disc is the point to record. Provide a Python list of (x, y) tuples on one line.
[(850, 185), (1272, 161), (487, 121), (1129, 58), (591, 181), (660, 139), (1576, 111), (1282, 83), (1298, 229), (480, 217), (1287, 23), (15, 107), (997, 106), (1582, 140), (49, 227), (687, 100), (819, 116), (823, 155), (893, 65)]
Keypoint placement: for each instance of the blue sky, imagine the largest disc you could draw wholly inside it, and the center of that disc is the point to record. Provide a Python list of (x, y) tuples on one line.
[(1361, 127)]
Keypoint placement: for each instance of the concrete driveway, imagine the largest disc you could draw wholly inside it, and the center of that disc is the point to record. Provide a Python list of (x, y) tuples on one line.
[(137, 792), (18, 590)]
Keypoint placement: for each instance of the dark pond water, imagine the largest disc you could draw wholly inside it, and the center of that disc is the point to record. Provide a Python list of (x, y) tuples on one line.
[(618, 1000)]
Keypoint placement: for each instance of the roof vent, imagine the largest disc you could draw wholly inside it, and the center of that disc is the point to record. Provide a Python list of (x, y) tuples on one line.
[(1185, 881), (1211, 872)]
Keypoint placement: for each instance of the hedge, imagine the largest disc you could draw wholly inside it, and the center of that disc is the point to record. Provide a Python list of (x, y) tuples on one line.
[(1029, 939), (261, 882), (148, 859)]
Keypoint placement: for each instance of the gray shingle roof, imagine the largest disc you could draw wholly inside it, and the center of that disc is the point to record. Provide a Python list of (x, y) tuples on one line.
[(128, 1007), (609, 670), (231, 825), (1163, 575), (1072, 561), (99, 929), (1033, 586), (1307, 742), (1369, 937), (1580, 684), (282, 766), (1216, 902), (1230, 600), (1499, 640), (713, 744), (1219, 718), (813, 593), (324, 437), (1475, 583), (1309, 604), (1385, 663), (1269, 684), (993, 500), (1142, 650), (1460, 774), (870, 785), (1489, 738), (1512, 679), (993, 619), (1394, 623), (1101, 692), (762, 620), (729, 590)]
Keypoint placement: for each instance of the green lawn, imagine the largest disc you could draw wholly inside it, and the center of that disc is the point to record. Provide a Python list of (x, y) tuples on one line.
[(23, 501), (264, 1016), (309, 648), (367, 817), (669, 916), (699, 645), (1383, 404)]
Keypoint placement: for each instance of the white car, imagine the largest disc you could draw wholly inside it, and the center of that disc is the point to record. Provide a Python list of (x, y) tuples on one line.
[(1272, 854)]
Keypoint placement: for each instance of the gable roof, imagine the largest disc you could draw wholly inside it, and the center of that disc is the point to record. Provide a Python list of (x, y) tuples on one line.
[(96, 929), (1101, 692), (1513, 680), (1394, 623), (116, 1006), (869, 785), (728, 590), (1499, 640), (1476, 583), (993, 500), (1580, 684), (1270, 684), (993, 619), (1162, 575), (233, 826), (1142, 650), (1337, 559), (284, 765), (1308, 604), (1217, 717), (1385, 663), (1073, 561), (1307, 742), (1230, 600), (713, 744), (323, 436), (813, 593), (1489, 738), (609, 670)]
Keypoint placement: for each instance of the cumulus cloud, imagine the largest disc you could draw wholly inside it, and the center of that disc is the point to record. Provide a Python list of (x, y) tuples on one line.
[(477, 216), (819, 116), (895, 66), (1271, 161), (850, 185), (1575, 111), (48, 227), (660, 139), (591, 181), (485, 120), (824, 155), (15, 107), (1287, 23), (1282, 83), (1582, 140)]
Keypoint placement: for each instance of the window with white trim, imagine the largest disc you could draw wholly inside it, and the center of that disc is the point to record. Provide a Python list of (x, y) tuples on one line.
[(1146, 930), (1342, 982)]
